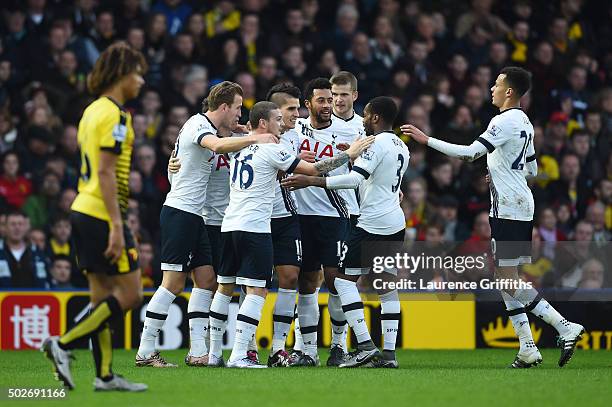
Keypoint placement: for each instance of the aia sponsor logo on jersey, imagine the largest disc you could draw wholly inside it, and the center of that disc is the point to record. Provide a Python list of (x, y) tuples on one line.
[(220, 161), (320, 149)]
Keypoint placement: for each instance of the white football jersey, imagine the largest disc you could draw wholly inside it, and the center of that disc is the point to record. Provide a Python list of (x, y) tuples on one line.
[(383, 165), (217, 190), (285, 203), (355, 130), (323, 142), (509, 141), (187, 191), (253, 173)]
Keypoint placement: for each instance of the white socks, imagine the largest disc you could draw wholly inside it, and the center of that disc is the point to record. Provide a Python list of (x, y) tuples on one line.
[(283, 316), (308, 310), (246, 325), (538, 306), (338, 321), (197, 313), (157, 312), (520, 322), (219, 309), (353, 309), (389, 318), (299, 341)]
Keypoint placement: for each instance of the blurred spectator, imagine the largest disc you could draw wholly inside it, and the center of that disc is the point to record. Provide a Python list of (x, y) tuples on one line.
[(596, 215), (148, 264), (369, 70), (267, 75), (222, 18), (103, 33), (592, 275), (383, 46), (41, 206), (518, 39), (38, 238), (341, 33), (247, 82), (14, 188), (61, 273), (59, 242), (480, 13), (570, 186), (175, 11), (193, 89), (294, 32), (447, 209), (548, 232), (22, 265)]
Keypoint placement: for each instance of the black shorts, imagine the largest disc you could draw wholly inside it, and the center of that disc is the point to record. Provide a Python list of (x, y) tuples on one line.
[(184, 240), (214, 237), (90, 239), (511, 241), (355, 261), (246, 259), (322, 239), (287, 241)]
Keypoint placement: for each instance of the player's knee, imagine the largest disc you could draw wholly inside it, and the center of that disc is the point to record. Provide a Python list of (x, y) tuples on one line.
[(226, 289), (288, 281)]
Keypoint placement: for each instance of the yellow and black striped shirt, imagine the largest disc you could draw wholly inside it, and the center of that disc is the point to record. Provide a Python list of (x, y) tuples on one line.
[(106, 126)]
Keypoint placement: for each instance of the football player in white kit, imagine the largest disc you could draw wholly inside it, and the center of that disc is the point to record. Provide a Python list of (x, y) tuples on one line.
[(323, 214), (508, 144), (247, 242), (285, 228), (344, 94), (378, 174), (185, 242)]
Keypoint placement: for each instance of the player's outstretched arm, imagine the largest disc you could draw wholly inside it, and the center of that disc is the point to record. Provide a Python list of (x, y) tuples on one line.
[(466, 153), (344, 181), (224, 145), (325, 166)]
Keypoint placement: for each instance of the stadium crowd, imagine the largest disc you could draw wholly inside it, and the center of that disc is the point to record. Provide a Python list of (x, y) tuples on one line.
[(437, 59)]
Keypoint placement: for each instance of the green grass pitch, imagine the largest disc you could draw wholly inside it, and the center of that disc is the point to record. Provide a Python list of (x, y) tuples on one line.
[(475, 378)]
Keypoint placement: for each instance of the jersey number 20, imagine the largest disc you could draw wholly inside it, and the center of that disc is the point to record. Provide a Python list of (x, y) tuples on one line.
[(519, 163)]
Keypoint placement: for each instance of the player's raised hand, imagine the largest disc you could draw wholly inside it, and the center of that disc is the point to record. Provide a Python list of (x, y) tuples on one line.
[(414, 133), (308, 156), (116, 244), (174, 164), (241, 128), (297, 181), (265, 138), (359, 145)]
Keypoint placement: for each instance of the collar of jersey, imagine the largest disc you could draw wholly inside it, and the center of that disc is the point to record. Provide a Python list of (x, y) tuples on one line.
[(209, 121), (119, 105), (341, 118), (511, 108)]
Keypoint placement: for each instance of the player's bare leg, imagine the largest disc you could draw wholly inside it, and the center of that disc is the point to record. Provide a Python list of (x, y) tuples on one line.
[(518, 302), (283, 313), (198, 308)]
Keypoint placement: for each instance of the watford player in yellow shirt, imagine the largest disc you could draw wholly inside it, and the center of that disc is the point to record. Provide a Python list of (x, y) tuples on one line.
[(104, 246)]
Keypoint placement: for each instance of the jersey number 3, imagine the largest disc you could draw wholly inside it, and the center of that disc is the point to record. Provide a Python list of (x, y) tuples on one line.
[(519, 163), (400, 160)]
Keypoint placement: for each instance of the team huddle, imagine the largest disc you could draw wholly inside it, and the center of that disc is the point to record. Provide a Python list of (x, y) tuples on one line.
[(232, 200), (297, 197)]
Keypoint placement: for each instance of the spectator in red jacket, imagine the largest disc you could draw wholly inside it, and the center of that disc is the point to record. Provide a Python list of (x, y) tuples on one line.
[(13, 187)]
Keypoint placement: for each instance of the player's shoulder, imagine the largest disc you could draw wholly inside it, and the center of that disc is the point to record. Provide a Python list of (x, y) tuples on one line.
[(104, 108), (199, 123), (510, 117)]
